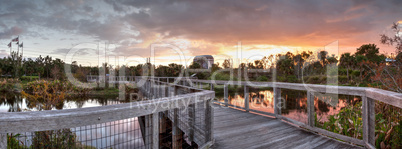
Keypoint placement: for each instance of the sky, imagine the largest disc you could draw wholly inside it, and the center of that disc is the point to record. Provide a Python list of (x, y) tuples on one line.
[(127, 31)]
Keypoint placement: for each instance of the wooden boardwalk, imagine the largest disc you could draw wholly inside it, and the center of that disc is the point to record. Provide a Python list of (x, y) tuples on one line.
[(236, 129)]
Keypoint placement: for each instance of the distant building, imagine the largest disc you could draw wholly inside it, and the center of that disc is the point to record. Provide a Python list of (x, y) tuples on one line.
[(205, 61)]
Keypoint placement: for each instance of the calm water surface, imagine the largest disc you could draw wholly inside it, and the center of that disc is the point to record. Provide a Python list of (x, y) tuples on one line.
[(295, 102), (118, 134)]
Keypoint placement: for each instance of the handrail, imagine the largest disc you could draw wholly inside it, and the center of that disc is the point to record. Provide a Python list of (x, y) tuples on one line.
[(385, 96), (184, 119), (16, 122), (368, 96), (19, 122)]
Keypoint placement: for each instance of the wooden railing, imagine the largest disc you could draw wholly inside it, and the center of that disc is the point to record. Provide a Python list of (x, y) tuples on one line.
[(20, 122), (369, 95), (195, 120)]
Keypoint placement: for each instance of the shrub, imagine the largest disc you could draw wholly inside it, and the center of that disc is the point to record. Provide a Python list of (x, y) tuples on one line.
[(323, 79), (347, 122), (281, 79), (342, 71), (313, 79), (29, 78), (8, 85), (262, 78), (222, 76), (343, 79), (291, 78), (355, 73)]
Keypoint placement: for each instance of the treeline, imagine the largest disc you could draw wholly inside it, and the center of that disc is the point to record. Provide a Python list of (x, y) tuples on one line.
[(45, 67), (365, 67)]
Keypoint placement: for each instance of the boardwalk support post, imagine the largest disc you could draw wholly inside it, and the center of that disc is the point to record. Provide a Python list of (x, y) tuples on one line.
[(368, 121), (277, 101), (177, 134), (191, 123), (310, 108), (162, 128), (148, 132), (246, 99), (155, 130)]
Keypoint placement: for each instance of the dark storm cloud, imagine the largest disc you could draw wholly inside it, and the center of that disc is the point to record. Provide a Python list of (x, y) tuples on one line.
[(280, 22), (285, 22), (77, 17)]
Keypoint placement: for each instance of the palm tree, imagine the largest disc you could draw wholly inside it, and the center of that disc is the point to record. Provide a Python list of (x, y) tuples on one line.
[(347, 61)]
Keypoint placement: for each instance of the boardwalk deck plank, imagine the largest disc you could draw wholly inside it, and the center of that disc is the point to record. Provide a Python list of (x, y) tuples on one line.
[(238, 129)]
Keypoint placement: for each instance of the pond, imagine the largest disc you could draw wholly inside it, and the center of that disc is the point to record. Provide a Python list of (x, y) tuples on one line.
[(117, 134), (294, 102)]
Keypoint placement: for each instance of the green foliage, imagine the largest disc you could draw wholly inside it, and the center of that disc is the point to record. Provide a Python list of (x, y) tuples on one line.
[(342, 71), (355, 73), (343, 79), (291, 78), (347, 122), (371, 52), (222, 76), (60, 139), (313, 79), (333, 71), (8, 85), (29, 78), (13, 142), (388, 128), (281, 78), (262, 78)]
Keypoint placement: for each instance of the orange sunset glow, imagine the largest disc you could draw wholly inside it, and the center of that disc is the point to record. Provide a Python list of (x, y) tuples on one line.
[(196, 28)]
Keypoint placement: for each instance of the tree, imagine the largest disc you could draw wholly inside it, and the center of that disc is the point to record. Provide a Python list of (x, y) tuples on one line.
[(347, 61), (360, 59), (322, 55), (371, 52), (227, 63), (394, 41)]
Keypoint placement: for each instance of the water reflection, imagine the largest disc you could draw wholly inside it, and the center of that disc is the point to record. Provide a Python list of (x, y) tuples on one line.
[(295, 102), (12, 102), (117, 134)]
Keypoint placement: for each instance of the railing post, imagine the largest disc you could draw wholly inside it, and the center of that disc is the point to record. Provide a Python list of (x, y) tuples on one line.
[(208, 121), (310, 108), (225, 94), (160, 90), (162, 127), (148, 135), (368, 120), (3, 140), (155, 90), (163, 91), (191, 123), (212, 87), (167, 90), (277, 101), (246, 98), (155, 130)]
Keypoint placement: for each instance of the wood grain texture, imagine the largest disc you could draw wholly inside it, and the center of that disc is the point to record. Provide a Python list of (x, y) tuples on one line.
[(238, 129)]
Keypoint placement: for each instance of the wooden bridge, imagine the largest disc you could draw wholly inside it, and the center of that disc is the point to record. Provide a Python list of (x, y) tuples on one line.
[(242, 127), (193, 112)]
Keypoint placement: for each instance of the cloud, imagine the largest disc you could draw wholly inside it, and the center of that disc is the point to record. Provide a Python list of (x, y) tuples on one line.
[(134, 25), (288, 22), (10, 33)]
